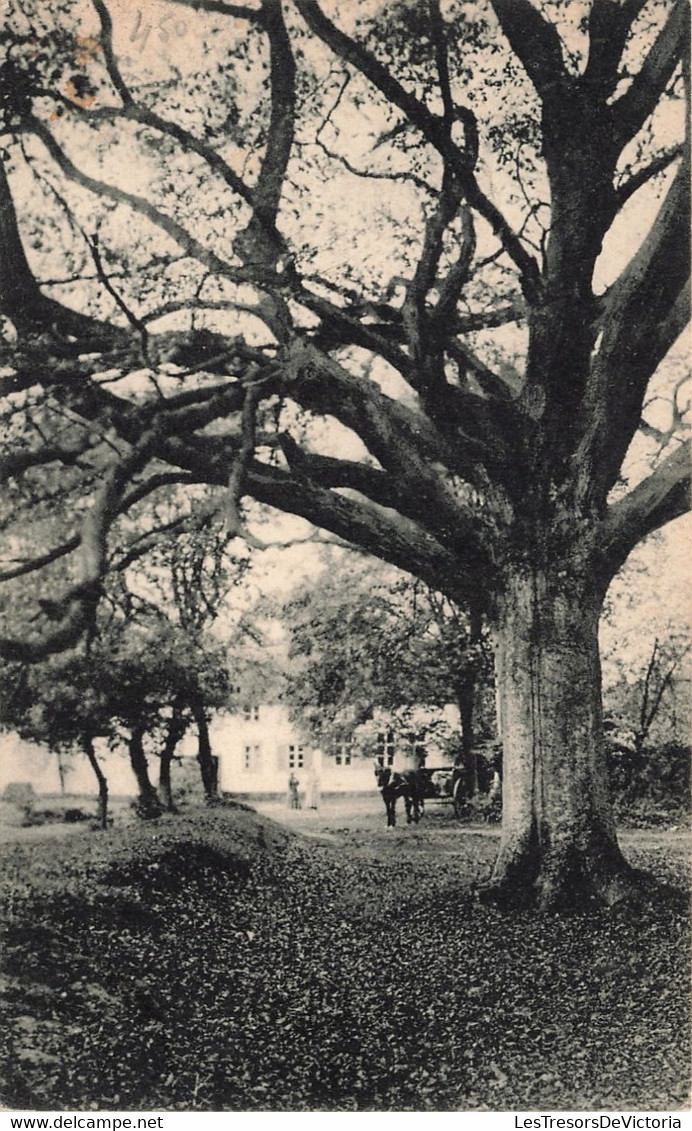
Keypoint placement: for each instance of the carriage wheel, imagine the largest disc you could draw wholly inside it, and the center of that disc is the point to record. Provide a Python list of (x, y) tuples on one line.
[(458, 798)]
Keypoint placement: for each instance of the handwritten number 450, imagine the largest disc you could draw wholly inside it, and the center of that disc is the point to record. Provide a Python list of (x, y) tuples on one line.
[(166, 27)]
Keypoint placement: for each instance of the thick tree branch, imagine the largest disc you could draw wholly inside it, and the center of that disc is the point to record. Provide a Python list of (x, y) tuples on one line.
[(629, 112), (536, 44), (377, 530), (468, 323), (424, 348), (492, 385), (642, 176), (442, 61), (267, 193), (78, 606), (458, 275), (644, 312), (330, 472), (236, 480), (404, 442), (609, 25), (400, 438), (23, 302), (236, 11), (109, 54), (660, 498), (340, 326), (17, 462)]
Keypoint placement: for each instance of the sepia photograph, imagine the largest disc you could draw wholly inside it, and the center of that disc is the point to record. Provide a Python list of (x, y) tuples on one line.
[(345, 703)]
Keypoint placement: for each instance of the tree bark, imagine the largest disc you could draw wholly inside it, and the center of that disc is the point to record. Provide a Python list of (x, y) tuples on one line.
[(176, 729), (101, 779), (148, 803), (558, 841), (165, 787), (466, 692), (207, 762)]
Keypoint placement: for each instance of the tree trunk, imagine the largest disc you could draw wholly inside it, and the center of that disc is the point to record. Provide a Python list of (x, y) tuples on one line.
[(466, 693), (208, 764), (165, 788), (101, 779), (61, 773), (148, 804), (176, 729), (558, 839)]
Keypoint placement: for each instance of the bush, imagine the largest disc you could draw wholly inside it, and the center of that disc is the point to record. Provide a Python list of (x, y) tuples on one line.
[(651, 786), (74, 816)]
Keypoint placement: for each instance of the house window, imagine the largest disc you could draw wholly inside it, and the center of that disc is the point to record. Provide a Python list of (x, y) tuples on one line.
[(251, 713), (252, 756), (418, 747), (296, 757), (385, 749), (342, 754)]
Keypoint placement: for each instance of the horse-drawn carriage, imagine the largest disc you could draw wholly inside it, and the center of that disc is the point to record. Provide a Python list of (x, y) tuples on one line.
[(444, 784)]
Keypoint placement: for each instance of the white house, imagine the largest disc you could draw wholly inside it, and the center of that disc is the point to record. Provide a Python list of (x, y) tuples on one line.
[(259, 748)]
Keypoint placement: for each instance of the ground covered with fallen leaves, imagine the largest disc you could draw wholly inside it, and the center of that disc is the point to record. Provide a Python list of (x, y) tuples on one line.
[(219, 961)]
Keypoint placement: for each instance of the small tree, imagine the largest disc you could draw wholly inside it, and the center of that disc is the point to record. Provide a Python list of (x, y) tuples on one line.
[(188, 582), (58, 703), (362, 638), (153, 676), (174, 729)]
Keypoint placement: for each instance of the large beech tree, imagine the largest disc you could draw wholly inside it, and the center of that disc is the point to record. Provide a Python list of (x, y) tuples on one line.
[(401, 218)]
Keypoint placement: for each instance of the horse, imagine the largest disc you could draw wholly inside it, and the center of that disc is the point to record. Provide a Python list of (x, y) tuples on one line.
[(404, 784)]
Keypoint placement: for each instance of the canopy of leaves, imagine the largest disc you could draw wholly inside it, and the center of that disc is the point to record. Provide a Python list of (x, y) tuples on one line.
[(129, 677), (362, 638), (397, 219), (152, 650)]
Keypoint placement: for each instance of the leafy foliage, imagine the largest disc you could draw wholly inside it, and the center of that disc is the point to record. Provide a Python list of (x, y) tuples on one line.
[(651, 786), (363, 637), (124, 680)]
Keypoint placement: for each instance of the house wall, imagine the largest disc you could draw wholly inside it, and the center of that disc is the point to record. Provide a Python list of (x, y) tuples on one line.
[(68, 773), (260, 748), (258, 753)]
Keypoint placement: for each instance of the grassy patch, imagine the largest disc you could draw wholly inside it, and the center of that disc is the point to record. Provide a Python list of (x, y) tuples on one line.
[(217, 962)]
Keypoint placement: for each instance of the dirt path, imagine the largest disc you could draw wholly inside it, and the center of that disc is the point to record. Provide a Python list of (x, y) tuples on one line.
[(352, 819), (357, 824)]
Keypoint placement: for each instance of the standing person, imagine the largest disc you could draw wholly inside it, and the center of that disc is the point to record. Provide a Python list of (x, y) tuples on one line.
[(313, 793), (293, 799)]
